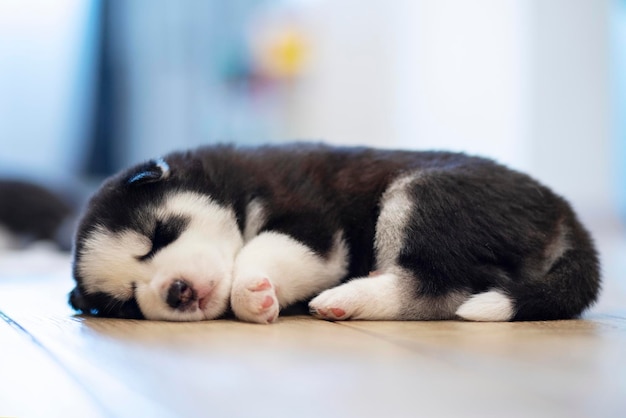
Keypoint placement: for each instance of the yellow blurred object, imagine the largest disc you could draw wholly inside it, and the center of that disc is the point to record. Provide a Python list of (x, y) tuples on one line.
[(282, 52)]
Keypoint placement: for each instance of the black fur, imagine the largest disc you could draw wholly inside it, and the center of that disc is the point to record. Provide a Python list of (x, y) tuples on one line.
[(101, 304), (165, 232), (476, 225)]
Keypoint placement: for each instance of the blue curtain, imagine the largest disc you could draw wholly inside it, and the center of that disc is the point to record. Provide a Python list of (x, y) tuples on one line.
[(172, 75)]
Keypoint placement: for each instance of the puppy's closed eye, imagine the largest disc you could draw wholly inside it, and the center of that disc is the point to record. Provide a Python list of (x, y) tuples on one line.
[(165, 232)]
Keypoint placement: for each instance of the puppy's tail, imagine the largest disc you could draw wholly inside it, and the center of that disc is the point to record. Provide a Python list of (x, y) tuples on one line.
[(570, 285)]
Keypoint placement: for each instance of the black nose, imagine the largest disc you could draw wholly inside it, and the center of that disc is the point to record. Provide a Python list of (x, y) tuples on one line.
[(180, 294)]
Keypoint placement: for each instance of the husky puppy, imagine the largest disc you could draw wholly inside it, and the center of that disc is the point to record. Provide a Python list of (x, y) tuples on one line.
[(357, 233)]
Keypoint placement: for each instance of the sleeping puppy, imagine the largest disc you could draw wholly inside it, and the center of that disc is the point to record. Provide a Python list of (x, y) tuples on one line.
[(357, 233)]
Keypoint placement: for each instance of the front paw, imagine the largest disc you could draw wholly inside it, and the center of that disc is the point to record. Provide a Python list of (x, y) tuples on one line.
[(255, 300)]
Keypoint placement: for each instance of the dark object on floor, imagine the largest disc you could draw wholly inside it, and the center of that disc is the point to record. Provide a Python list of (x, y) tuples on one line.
[(30, 212)]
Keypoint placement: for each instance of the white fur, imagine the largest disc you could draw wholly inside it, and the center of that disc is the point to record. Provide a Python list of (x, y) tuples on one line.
[(108, 261), (488, 306), (373, 298), (255, 219), (391, 223), (294, 270), (203, 255)]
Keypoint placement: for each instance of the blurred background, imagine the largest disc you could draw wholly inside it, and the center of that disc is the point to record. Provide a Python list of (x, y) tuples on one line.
[(88, 87)]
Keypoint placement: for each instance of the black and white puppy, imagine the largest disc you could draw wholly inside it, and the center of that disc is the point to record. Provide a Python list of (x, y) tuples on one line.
[(357, 233)]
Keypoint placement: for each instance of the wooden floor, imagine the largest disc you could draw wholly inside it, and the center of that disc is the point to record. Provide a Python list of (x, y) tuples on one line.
[(53, 363)]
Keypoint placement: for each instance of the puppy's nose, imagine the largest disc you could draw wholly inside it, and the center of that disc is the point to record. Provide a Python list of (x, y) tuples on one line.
[(180, 294)]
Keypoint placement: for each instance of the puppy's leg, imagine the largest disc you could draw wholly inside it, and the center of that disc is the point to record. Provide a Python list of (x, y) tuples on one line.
[(375, 297), (395, 292), (382, 295), (274, 270)]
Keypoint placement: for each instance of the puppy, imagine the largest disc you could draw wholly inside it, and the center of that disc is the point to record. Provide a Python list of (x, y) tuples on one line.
[(357, 233)]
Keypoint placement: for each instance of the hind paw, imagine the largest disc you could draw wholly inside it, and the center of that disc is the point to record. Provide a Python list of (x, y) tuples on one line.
[(377, 297), (333, 304), (255, 301), (333, 314)]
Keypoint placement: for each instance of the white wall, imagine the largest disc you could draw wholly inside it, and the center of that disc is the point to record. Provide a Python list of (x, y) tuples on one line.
[(523, 81), (462, 77), (347, 92), (444, 74), (571, 115)]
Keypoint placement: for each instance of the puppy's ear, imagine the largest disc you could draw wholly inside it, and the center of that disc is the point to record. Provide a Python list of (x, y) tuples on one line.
[(150, 172)]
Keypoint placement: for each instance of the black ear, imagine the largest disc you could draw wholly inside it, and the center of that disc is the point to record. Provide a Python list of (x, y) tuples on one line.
[(150, 172)]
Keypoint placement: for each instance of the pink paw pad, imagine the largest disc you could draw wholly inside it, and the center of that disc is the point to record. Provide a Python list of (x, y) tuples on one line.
[(255, 300), (321, 312), (338, 312), (263, 284), (267, 302), (331, 313)]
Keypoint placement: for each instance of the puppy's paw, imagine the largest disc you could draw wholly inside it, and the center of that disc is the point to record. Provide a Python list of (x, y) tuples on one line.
[(377, 297), (333, 304), (255, 300)]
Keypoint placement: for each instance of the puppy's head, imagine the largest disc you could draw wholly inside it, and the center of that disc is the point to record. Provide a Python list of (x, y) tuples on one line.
[(152, 245)]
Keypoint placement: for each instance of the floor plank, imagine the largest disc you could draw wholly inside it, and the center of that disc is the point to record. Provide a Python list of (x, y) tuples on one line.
[(32, 384), (577, 367)]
